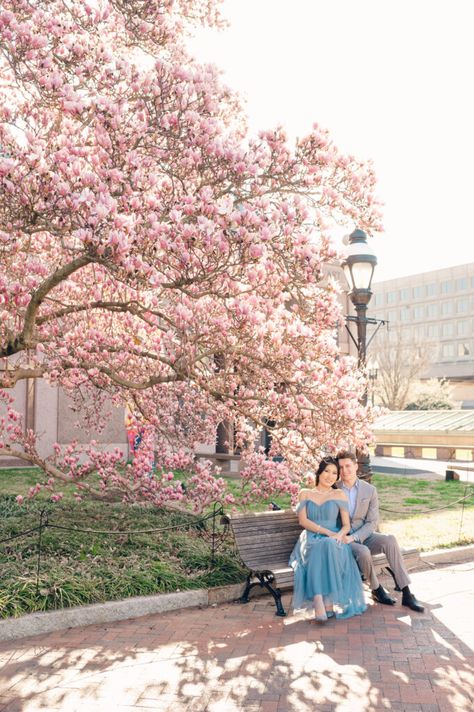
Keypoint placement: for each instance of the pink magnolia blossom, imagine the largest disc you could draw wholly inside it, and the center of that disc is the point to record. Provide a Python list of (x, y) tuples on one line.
[(155, 255)]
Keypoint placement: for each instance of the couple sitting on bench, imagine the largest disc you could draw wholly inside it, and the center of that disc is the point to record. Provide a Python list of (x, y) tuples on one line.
[(326, 574)]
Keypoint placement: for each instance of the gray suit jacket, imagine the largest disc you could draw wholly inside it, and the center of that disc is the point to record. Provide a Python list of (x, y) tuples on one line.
[(366, 514)]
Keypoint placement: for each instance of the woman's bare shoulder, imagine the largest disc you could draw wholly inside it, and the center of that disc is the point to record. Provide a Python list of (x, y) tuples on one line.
[(339, 494), (304, 494)]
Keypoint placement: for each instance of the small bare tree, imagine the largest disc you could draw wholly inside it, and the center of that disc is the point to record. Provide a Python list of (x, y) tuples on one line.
[(400, 361)]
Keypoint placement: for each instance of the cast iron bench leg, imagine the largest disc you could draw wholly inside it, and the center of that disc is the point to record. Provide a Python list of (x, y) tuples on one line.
[(264, 581), (248, 587), (276, 593)]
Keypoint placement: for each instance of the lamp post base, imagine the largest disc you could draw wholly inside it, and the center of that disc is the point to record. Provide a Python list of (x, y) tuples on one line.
[(364, 471)]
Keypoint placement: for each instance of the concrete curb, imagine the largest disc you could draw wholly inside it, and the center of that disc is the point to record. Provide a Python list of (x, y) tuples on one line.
[(40, 623), (97, 613), (456, 555)]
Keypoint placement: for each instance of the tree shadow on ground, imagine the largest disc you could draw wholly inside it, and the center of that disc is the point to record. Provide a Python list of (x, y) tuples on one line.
[(235, 657)]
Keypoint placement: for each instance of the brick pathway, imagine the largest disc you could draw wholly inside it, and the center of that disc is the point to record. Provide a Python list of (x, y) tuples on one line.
[(234, 658)]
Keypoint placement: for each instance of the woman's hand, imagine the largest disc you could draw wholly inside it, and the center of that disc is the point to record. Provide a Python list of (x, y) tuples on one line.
[(339, 536)]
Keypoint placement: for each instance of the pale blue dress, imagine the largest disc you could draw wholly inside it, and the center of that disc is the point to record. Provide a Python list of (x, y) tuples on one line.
[(322, 566)]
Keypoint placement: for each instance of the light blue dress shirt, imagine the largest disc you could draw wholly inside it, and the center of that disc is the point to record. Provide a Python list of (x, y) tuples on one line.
[(351, 493)]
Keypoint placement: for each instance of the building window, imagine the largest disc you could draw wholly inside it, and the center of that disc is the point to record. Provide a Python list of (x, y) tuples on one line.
[(447, 351), (447, 287), (392, 316), (432, 330), (432, 310), (463, 349), (398, 452), (418, 292), (461, 283), (462, 306), (379, 300), (404, 294), (418, 313), (431, 290), (446, 308), (461, 454), (447, 329), (463, 327), (391, 297), (405, 314), (429, 453), (419, 332)]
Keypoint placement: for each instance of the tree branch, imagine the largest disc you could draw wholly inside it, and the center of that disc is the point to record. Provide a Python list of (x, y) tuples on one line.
[(25, 339)]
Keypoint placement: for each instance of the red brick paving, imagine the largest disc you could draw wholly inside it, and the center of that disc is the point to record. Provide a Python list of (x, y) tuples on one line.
[(233, 658)]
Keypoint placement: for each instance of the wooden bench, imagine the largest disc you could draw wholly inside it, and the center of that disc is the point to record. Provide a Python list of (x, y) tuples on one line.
[(265, 541)]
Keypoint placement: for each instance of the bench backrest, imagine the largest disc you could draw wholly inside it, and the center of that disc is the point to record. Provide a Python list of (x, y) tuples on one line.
[(265, 538)]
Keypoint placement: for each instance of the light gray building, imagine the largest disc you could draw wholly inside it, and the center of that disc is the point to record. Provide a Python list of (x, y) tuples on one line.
[(437, 309)]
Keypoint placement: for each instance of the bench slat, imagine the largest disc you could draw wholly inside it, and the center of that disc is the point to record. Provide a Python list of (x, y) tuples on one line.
[(262, 540), (271, 531), (285, 534)]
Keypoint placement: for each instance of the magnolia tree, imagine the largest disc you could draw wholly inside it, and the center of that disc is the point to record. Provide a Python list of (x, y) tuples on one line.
[(155, 255)]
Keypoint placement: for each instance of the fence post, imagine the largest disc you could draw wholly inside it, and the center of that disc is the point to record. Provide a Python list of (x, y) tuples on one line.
[(462, 512), (213, 545), (42, 525)]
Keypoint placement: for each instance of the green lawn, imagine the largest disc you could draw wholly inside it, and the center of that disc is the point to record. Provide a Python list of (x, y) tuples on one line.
[(83, 567), (426, 513)]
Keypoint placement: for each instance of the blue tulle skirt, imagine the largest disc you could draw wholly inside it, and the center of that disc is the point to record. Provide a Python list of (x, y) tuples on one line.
[(322, 566)]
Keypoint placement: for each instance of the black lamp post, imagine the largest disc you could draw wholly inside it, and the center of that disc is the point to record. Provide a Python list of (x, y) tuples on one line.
[(372, 373), (359, 269)]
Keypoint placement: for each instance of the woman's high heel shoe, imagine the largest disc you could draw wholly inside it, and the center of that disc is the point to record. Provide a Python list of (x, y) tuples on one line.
[(319, 619)]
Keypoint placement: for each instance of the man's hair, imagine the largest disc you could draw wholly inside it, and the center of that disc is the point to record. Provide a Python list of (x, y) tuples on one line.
[(346, 455)]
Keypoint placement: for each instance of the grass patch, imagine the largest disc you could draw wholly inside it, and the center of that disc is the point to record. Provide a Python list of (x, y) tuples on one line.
[(415, 500), (426, 514), (283, 501), (18, 480)]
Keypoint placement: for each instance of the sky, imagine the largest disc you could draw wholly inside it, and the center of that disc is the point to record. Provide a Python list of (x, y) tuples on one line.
[(392, 81)]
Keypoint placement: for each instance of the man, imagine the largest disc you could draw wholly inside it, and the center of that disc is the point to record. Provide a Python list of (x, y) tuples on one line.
[(365, 541)]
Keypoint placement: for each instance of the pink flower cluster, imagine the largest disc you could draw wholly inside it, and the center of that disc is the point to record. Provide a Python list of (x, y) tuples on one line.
[(154, 255)]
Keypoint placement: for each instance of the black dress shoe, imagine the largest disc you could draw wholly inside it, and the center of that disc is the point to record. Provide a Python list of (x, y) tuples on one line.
[(381, 595), (409, 600)]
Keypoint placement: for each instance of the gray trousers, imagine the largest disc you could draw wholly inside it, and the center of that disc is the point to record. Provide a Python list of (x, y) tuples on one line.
[(380, 544)]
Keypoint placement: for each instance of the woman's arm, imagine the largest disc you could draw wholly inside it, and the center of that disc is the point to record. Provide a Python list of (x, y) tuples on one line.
[(340, 536), (346, 525), (345, 521)]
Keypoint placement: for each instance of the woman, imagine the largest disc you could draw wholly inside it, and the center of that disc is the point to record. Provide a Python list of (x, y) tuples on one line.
[(326, 574)]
